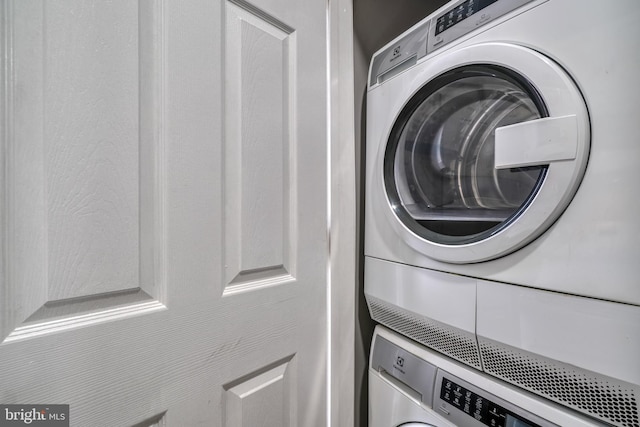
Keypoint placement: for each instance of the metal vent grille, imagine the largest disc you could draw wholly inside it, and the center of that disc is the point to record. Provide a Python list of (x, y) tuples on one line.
[(446, 339), (601, 397)]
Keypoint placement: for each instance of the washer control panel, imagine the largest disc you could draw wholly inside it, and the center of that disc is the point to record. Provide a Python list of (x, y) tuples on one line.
[(480, 408), (466, 405), (457, 400)]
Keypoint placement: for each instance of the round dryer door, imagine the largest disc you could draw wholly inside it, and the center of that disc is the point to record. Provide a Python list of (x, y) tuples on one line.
[(486, 154)]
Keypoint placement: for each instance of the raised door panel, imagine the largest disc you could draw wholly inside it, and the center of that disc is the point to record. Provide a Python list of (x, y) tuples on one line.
[(265, 397), (91, 148), (260, 181), (83, 172)]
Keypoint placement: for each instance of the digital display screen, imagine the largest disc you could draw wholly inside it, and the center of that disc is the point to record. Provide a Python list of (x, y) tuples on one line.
[(460, 13), (516, 422), (476, 406)]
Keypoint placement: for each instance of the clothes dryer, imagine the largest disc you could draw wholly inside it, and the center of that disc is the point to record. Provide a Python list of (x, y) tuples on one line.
[(501, 210)]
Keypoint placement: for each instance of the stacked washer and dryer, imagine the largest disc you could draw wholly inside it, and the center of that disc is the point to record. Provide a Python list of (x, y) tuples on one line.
[(502, 228)]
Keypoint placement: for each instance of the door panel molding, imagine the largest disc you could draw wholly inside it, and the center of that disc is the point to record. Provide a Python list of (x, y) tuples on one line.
[(265, 397), (260, 167), (83, 174)]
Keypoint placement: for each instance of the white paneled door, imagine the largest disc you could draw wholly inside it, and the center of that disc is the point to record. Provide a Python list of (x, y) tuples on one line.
[(164, 208)]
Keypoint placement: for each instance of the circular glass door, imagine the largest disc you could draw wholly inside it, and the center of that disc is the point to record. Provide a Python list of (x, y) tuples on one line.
[(439, 168)]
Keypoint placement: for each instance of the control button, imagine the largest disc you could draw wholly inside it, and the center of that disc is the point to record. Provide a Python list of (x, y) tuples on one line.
[(495, 410), (496, 421), (497, 415), (467, 408), (483, 18)]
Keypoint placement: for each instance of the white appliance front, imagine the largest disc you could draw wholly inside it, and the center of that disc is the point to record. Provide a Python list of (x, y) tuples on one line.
[(411, 386), (557, 223), (500, 170)]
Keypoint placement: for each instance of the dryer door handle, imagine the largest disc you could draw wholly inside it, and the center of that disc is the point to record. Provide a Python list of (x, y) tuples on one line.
[(536, 142)]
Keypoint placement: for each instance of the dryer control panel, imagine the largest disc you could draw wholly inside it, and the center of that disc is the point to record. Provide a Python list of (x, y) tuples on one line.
[(464, 17), (433, 33)]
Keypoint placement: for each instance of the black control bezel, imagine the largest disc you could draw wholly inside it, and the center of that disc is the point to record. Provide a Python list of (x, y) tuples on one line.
[(477, 406), (459, 13)]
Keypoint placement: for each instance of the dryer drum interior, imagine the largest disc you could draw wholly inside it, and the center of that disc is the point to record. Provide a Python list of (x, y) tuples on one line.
[(439, 168)]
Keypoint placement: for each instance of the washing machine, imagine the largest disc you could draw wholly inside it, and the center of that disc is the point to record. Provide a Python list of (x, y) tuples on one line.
[(501, 209), (411, 386)]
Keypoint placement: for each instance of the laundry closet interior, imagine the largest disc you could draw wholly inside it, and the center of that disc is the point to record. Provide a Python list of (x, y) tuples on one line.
[(283, 213)]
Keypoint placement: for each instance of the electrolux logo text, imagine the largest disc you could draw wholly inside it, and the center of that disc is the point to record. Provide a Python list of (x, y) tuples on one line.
[(34, 415)]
